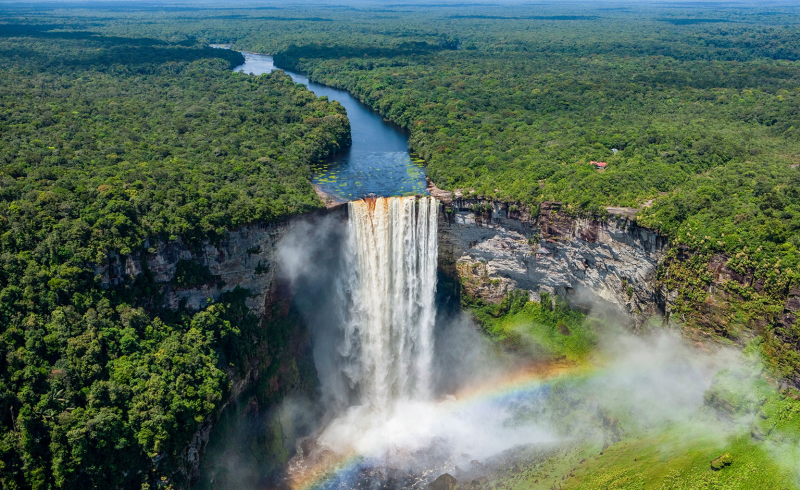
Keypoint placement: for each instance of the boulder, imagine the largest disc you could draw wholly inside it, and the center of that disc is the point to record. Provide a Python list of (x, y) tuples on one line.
[(444, 482)]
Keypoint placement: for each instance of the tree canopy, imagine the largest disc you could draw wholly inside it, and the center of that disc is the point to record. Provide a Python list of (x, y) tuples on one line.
[(107, 146)]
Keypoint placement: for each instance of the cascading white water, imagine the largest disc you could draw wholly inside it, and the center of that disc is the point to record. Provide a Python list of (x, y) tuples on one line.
[(388, 342)]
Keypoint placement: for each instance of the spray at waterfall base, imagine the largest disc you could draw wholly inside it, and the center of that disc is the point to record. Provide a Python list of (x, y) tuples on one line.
[(371, 309), (522, 418)]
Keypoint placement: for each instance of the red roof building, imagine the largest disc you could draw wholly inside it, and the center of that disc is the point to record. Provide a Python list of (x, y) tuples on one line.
[(598, 164)]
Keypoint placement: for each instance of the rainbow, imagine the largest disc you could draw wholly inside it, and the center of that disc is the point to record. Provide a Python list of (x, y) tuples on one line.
[(499, 389)]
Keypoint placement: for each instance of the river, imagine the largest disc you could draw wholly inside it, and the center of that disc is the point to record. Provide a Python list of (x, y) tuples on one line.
[(377, 162)]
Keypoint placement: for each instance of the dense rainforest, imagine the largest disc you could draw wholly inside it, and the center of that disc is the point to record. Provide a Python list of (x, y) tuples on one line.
[(119, 129), (108, 146)]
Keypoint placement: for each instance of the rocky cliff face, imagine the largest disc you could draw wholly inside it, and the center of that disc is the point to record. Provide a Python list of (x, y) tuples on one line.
[(495, 247), (246, 259), (616, 266)]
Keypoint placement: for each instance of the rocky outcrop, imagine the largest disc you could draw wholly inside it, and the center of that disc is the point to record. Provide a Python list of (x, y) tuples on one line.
[(497, 247), (791, 309), (616, 266), (245, 259)]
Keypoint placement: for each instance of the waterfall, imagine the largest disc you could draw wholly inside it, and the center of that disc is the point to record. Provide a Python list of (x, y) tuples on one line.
[(387, 344)]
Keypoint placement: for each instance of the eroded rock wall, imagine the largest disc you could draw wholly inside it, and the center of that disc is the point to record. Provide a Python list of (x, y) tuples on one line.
[(245, 259), (496, 247)]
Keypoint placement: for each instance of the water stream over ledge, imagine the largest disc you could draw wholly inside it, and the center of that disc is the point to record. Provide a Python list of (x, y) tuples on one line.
[(377, 162)]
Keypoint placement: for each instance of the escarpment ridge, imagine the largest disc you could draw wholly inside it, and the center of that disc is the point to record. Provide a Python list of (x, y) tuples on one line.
[(612, 264), (496, 247)]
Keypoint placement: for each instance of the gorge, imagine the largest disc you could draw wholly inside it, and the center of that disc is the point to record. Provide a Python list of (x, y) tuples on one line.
[(350, 346), (355, 285), (395, 248)]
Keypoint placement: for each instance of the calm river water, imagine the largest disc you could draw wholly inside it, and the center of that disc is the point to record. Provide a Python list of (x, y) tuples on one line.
[(377, 162)]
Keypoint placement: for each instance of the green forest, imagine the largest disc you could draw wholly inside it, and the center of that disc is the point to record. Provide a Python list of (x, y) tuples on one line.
[(717, 161), (108, 146), (121, 129)]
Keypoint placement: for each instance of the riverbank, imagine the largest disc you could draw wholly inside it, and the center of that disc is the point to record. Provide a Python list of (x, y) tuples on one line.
[(329, 200)]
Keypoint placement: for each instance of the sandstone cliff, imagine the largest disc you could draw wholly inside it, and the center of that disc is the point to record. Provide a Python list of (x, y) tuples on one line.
[(245, 259), (496, 247), (614, 265)]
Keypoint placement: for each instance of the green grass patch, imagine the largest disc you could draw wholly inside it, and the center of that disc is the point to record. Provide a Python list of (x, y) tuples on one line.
[(678, 458), (545, 328)]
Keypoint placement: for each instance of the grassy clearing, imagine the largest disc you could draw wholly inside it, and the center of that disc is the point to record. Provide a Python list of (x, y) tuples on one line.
[(680, 458)]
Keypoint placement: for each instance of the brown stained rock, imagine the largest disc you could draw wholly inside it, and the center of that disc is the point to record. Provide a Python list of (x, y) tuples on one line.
[(793, 301), (442, 195), (589, 233), (718, 266), (744, 280), (553, 223), (444, 482), (548, 206)]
